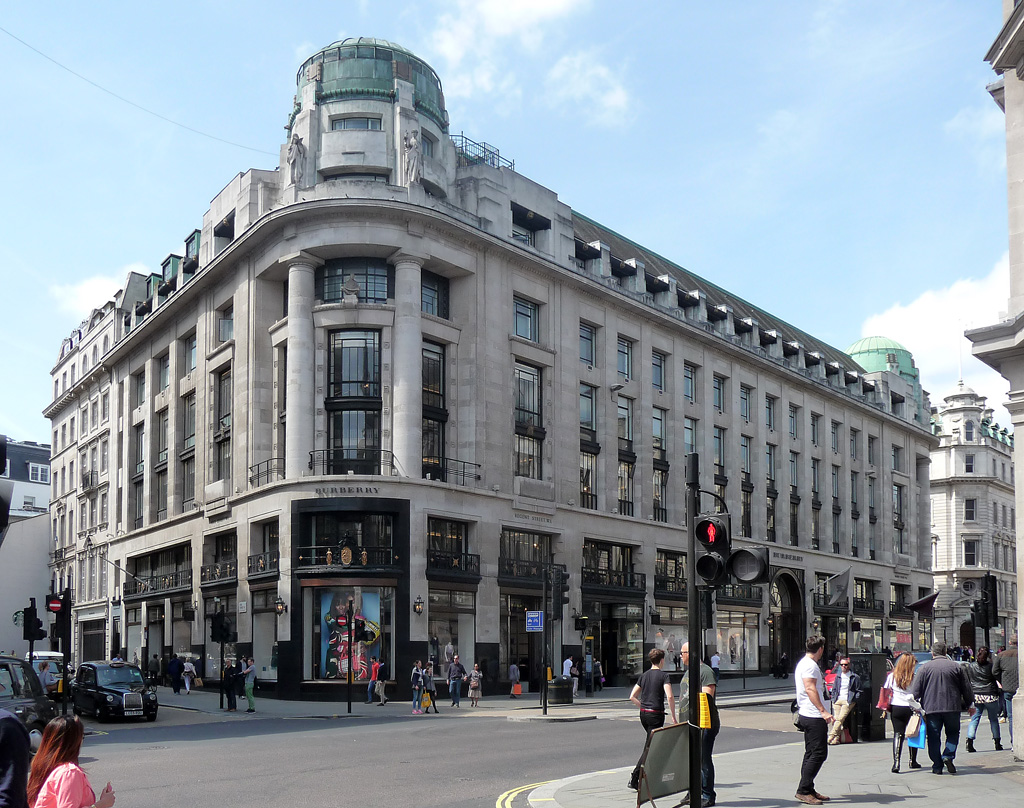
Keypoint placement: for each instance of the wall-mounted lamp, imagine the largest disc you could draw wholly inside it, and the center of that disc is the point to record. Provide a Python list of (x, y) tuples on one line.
[(417, 605), (280, 606), (618, 386), (655, 616)]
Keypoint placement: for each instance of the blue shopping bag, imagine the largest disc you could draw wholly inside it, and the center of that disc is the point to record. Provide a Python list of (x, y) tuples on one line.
[(918, 741)]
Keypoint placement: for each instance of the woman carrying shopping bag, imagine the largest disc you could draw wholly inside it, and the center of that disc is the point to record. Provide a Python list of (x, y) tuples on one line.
[(902, 708)]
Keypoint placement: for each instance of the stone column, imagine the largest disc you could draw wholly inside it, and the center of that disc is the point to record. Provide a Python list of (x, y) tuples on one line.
[(300, 407), (407, 367)]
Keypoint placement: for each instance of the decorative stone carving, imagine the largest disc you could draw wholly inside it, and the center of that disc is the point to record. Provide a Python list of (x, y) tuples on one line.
[(296, 160), (413, 157)]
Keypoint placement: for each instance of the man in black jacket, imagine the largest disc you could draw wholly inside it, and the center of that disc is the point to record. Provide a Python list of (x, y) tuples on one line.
[(845, 694), (1006, 672), (14, 761), (942, 687)]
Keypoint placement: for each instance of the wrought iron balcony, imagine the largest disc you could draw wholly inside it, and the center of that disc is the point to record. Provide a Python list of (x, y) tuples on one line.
[(264, 563), (588, 500), (266, 472), (348, 557), (450, 470), (869, 605), (169, 582), (660, 513), (741, 593), (453, 563), (626, 507), (352, 461), (674, 586), (524, 569), (620, 579), (90, 479), (898, 608), (821, 601), (219, 572)]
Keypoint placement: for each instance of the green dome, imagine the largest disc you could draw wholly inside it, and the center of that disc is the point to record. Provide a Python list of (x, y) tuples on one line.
[(364, 67), (873, 354)]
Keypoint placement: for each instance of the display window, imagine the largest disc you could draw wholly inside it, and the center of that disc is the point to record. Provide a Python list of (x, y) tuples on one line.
[(334, 649), (738, 641), (900, 636), (867, 638), (669, 635)]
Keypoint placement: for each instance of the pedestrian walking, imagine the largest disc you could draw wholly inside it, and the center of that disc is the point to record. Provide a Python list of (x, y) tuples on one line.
[(15, 749), (812, 719), (174, 669), (429, 689), (456, 673), (476, 680), (598, 675), (56, 780), (942, 688), (574, 672), (902, 706), (249, 672), (513, 677), (382, 683), (372, 686), (228, 684), (986, 698), (154, 670), (716, 665), (708, 686), (846, 690), (650, 694), (416, 680), (1007, 674), (188, 674)]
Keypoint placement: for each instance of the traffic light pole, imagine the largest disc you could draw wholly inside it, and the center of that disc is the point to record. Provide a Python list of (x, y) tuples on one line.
[(30, 631), (66, 642), (547, 634), (693, 627), (349, 616)]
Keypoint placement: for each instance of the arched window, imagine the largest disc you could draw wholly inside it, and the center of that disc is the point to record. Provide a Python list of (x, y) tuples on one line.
[(95, 354), (969, 431), (106, 343)]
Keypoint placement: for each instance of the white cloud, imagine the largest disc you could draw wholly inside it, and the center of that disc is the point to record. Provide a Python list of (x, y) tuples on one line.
[(983, 128), (77, 300), (582, 81), (932, 328)]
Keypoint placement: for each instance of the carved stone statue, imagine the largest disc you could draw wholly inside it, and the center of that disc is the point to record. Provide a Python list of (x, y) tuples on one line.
[(296, 159), (413, 157)]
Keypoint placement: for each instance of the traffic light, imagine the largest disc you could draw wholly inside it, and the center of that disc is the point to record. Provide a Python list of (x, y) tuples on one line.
[(61, 610), (712, 530), (975, 617), (559, 591), (750, 565), (32, 627), (219, 628), (990, 599)]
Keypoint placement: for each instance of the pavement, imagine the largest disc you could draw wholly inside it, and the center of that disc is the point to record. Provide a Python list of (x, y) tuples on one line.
[(854, 774)]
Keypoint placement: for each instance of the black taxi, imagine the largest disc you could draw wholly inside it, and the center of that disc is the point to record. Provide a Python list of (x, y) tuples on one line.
[(21, 694), (112, 690)]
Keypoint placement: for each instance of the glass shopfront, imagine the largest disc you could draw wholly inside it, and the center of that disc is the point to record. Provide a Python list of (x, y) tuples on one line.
[(866, 635), (621, 644), (670, 634), (517, 644), (737, 638), (452, 619), (328, 631), (924, 635), (901, 635)]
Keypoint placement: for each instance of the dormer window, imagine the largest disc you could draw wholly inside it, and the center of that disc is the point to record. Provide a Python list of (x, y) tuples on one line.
[(355, 123)]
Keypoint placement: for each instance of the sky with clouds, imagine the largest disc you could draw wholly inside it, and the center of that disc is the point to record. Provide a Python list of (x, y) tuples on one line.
[(837, 162)]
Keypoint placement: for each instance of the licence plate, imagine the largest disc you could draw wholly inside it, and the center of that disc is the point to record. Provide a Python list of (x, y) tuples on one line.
[(133, 712)]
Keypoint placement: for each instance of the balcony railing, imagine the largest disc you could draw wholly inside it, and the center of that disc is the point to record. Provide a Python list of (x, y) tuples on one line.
[(899, 609), (741, 593), (264, 563), (450, 470), (621, 579), (59, 553), (457, 563), (821, 601), (872, 605), (182, 579), (471, 153), (660, 513), (266, 472), (524, 568), (588, 500), (90, 479), (352, 461), (339, 555), (666, 585), (625, 507), (219, 572)]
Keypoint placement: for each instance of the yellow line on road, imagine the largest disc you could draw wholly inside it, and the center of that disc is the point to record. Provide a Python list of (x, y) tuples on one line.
[(506, 799)]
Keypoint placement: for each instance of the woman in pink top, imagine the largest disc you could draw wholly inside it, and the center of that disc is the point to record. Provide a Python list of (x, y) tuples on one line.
[(56, 779)]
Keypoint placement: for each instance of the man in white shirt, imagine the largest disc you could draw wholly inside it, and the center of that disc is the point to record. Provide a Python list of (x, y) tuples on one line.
[(813, 719), (845, 694), (716, 661), (567, 666)]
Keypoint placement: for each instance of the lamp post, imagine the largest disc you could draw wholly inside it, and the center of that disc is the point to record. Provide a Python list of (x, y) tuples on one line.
[(348, 623)]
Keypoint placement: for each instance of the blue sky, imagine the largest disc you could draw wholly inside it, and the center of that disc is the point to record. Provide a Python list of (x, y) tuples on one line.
[(836, 162)]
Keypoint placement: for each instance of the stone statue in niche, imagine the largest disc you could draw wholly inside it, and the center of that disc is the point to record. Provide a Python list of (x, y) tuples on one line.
[(413, 157), (296, 159), (350, 291)]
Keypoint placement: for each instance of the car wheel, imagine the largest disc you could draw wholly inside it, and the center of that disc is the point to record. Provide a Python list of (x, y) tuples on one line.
[(35, 736), (151, 717), (101, 715)]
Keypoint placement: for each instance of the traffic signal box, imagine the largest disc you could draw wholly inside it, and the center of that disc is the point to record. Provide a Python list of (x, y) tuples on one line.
[(559, 591), (220, 629), (32, 627), (986, 615), (718, 563)]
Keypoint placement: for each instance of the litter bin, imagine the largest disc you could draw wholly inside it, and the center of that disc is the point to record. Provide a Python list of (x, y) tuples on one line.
[(560, 690)]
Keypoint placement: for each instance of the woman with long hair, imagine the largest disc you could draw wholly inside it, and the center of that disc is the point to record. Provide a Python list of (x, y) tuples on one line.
[(986, 697), (56, 779), (901, 707)]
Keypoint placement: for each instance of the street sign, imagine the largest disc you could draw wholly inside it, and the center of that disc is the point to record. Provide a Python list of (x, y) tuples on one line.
[(54, 603), (535, 621), (18, 617)]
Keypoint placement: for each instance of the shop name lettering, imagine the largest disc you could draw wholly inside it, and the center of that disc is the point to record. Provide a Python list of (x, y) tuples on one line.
[(526, 517), (786, 556), (334, 490)]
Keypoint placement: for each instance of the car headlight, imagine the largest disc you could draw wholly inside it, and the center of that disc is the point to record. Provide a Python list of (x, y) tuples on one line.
[(151, 696), (111, 699)]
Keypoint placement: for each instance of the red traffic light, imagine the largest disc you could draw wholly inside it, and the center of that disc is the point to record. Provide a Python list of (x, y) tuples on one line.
[(713, 531), (55, 603)]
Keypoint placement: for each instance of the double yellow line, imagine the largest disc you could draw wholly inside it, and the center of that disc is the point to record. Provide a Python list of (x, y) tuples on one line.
[(506, 799)]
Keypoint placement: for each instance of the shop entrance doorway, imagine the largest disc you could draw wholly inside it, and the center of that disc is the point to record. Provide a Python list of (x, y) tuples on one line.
[(786, 623)]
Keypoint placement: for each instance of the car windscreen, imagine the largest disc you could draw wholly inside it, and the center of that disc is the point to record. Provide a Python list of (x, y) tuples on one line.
[(120, 676)]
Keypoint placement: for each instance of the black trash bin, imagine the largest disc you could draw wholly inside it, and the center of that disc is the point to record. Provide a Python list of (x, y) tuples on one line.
[(560, 690)]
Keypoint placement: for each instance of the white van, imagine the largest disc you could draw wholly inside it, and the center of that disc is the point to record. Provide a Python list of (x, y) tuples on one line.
[(55, 658)]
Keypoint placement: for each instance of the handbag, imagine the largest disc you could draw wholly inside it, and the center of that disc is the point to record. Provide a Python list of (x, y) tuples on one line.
[(197, 682), (913, 725), (884, 698), (517, 689), (917, 741)]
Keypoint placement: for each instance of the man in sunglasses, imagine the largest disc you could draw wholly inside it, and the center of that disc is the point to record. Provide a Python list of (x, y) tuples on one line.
[(845, 692)]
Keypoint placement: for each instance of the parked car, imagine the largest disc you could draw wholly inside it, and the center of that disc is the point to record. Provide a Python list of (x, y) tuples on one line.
[(21, 694), (112, 690)]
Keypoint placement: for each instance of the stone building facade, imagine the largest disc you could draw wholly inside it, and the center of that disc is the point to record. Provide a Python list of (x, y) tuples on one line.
[(396, 370)]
